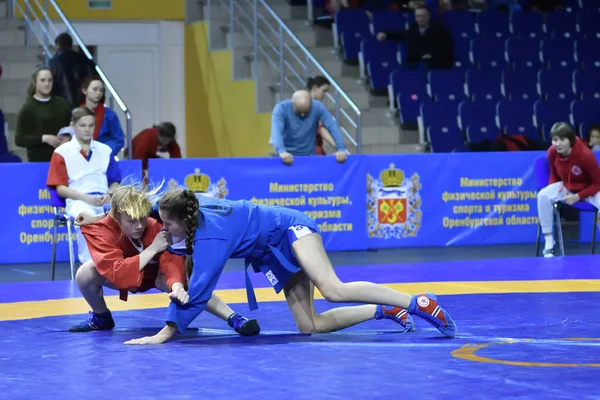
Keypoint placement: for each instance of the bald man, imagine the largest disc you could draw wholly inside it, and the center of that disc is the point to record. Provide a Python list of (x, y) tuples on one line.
[(293, 126)]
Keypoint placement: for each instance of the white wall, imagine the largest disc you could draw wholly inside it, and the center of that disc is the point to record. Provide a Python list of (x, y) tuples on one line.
[(144, 62)]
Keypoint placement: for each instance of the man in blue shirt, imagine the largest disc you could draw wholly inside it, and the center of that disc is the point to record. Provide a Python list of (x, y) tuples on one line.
[(294, 124)]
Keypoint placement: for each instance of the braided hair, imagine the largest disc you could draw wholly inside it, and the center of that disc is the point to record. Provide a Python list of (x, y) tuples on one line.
[(191, 223), (182, 205)]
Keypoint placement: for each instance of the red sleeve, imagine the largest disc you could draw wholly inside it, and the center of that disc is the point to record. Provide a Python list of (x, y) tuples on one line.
[(140, 146), (123, 273), (57, 172), (174, 150), (591, 168), (553, 173), (172, 266)]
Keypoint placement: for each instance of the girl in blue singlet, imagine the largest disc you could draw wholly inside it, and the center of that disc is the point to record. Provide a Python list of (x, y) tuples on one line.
[(286, 246)]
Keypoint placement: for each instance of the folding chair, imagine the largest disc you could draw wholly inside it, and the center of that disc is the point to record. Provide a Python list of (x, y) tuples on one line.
[(61, 220), (542, 175)]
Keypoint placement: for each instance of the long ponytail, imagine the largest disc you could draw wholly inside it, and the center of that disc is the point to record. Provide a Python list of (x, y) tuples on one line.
[(191, 223)]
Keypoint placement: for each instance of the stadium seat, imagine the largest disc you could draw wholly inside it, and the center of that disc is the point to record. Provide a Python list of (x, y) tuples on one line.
[(445, 138)]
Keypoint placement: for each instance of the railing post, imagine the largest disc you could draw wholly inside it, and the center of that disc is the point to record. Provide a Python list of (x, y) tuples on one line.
[(231, 24), (307, 63), (358, 132), (255, 56), (129, 136), (10, 11), (311, 17), (27, 28), (281, 64), (46, 27), (209, 19), (337, 107)]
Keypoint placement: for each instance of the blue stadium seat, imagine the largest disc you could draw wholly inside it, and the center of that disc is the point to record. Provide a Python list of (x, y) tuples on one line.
[(388, 21), (587, 23), (447, 85), (460, 23), (477, 133), (349, 21), (527, 24), (376, 51), (444, 138), (351, 44), (379, 73), (561, 24), (556, 84), (406, 81), (525, 129), (524, 53), (476, 113), (520, 85), (488, 53), (559, 53), (493, 24), (462, 54), (409, 105), (550, 111), (587, 52), (584, 111), (586, 81), (444, 113), (484, 85), (514, 112)]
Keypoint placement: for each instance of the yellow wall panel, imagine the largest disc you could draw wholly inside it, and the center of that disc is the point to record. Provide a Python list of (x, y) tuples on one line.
[(221, 118), (173, 10)]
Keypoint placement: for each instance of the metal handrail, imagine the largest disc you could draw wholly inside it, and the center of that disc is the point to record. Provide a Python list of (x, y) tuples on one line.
[(44, 24), (279, 61)]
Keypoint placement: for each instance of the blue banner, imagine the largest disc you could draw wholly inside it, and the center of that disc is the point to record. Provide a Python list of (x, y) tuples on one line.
[(29, 216), (330, 193), (369, 202), (452, 199)]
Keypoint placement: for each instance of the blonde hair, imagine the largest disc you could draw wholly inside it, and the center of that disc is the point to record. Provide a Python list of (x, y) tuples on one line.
[(135, 201), (81, 112)]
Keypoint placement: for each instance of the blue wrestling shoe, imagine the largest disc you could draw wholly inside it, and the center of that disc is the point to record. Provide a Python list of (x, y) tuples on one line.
[(98, 322), (397, 314), (243, 325), (426, 307)]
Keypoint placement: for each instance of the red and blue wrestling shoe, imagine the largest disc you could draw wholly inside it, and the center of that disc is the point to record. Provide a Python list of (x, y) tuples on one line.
[(243, 325), (426, 306), (97, 322), (397, 314)]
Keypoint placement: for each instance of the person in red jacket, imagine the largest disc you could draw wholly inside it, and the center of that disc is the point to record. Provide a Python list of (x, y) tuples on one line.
[(574, 176), (156, 142), (129, 253)]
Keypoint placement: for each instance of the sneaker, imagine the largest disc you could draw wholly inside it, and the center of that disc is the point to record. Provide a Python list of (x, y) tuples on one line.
[(397, 314), (98, 322), (243, 325), (426, 307), (548, 253)]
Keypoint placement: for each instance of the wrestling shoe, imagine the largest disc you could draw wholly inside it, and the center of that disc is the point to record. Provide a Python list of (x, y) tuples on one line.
[(243, 325), (98, 322), (397, 314), (426, 307)]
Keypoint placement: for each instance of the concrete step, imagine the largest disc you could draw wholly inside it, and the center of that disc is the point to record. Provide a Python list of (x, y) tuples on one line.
[(17, 70), (282, 10), (21, 54), (12, 38), (14, 87), (3, 8), (11, 24), (12, 103), (392, 149)]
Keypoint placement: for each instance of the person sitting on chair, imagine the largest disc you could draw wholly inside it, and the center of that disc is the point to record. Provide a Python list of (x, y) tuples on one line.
[(574, 176), (83, 171)]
